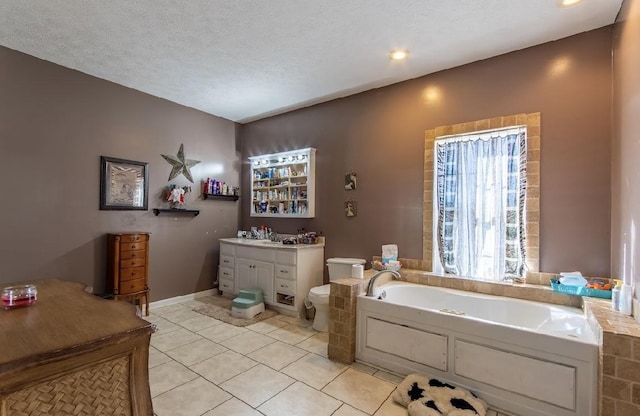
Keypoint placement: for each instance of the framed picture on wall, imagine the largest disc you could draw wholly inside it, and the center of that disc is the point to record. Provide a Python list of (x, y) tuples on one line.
[(350, 208), (124, 184), (350, 181)]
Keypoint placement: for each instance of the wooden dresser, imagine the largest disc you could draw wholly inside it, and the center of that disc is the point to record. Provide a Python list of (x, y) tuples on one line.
[(128, 267), (72, 353)]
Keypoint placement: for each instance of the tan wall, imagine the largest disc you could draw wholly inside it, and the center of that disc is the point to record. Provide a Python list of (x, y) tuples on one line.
[(625, 203), (54, 125), (379, 134)]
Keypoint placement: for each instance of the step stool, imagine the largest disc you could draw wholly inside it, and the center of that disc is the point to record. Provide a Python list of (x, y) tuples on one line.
[(248, 304)]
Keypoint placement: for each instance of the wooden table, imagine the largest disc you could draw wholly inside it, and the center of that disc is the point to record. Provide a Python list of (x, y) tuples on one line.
[(72, 353)]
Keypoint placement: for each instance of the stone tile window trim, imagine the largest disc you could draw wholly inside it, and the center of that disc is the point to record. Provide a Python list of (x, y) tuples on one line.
[(532, 122)]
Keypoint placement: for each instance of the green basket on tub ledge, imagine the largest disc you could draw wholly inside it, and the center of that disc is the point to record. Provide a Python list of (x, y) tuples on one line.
[(579, 291)]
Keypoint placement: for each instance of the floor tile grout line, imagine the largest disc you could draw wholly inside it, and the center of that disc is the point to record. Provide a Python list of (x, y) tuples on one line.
[(182, 384), (245, 355)]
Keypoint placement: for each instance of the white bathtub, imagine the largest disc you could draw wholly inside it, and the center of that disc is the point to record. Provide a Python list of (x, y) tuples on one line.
[(525, 357)]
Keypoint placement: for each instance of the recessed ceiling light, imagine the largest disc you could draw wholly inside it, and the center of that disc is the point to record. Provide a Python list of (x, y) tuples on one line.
[(567, 3), (398, 54)]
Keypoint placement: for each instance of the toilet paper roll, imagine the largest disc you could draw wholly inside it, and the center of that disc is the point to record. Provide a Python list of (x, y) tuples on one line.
[(357, 271)]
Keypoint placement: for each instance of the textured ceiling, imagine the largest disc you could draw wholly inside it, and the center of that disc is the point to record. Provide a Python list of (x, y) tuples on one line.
[(248, 59)]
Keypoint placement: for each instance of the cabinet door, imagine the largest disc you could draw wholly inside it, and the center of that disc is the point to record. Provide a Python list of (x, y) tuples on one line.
[(245, 277), (264, 277)]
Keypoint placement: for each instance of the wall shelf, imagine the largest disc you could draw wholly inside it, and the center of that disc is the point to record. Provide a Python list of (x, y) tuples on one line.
[(193, 212), (223, 197)]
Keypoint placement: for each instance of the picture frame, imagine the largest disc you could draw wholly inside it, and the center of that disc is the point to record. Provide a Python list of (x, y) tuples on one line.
[(350, 208), (124, 184), (350, 181)]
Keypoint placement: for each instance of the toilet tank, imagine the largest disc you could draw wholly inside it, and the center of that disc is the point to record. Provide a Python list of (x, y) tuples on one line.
[(340, 267)]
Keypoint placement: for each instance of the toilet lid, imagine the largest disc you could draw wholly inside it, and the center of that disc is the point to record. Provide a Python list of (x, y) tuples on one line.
[(321, 290), (345, 260)]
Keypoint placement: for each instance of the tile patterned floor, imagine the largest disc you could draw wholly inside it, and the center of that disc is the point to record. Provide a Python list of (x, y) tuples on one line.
[(200, 366)]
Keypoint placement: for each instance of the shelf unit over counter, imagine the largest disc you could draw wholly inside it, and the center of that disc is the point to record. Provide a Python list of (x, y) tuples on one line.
[(283, 184)]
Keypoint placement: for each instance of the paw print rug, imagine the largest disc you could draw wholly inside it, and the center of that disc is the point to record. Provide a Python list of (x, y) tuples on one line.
[(423, 396)]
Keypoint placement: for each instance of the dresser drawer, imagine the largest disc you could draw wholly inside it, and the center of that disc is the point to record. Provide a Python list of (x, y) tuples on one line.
[(286, 286), (131, 273), (133, 238), (133, 261), (131, 286), (227, 261), (137, 254), (285, 272), (132, 246)]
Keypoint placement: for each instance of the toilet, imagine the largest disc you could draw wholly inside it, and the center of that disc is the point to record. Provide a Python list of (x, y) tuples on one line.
[(319, 296)]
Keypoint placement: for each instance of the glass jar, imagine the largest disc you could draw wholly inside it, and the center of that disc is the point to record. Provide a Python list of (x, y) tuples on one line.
[(19, 296)]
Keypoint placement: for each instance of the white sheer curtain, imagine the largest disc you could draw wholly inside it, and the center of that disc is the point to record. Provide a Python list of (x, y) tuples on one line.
[(479, 204)]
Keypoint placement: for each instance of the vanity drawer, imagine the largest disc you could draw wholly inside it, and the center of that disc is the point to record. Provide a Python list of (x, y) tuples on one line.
[(285, 272), (227, 261), (226, 285), (286, 257), (286, 286), (132, 286), (255, 253), (227, 249), (226, 273)]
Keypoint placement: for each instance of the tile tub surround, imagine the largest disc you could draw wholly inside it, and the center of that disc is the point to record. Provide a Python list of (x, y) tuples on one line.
[(618, 335), (619, 377)]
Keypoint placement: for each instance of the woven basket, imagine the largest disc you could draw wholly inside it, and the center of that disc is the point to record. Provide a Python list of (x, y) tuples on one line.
[(99, 390)]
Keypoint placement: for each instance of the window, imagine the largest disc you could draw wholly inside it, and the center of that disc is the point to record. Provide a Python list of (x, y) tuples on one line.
[(479, 203)]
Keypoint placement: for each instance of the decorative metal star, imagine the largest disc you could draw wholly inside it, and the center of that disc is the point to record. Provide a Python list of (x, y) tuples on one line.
[(180, 164)]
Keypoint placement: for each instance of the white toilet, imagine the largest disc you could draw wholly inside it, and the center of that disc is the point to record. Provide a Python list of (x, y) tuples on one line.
[(319, 295)]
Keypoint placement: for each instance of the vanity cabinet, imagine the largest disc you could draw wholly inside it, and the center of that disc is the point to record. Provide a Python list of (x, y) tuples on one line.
[(285, 274), (253, 274), (283, 184)]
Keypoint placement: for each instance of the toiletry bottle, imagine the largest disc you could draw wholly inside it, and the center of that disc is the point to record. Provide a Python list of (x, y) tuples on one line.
[(626, 296), (615, 295)]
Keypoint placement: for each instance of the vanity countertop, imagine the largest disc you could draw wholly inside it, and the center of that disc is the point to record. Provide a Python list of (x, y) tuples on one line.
[(271, 244)]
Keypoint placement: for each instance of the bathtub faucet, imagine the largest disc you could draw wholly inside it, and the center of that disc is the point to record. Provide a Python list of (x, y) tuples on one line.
[(372, 282)]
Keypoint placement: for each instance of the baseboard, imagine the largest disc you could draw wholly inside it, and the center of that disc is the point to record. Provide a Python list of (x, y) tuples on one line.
[(184, 298)]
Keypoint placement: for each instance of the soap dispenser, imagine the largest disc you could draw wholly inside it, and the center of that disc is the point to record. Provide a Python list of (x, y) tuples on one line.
[(626, 302), (615, 295)]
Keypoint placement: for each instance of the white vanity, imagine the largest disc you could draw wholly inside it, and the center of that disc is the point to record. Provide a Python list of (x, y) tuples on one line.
[(284, 273)]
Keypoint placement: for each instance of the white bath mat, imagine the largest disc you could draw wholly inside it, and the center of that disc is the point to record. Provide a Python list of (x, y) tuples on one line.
[(423, 396)]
